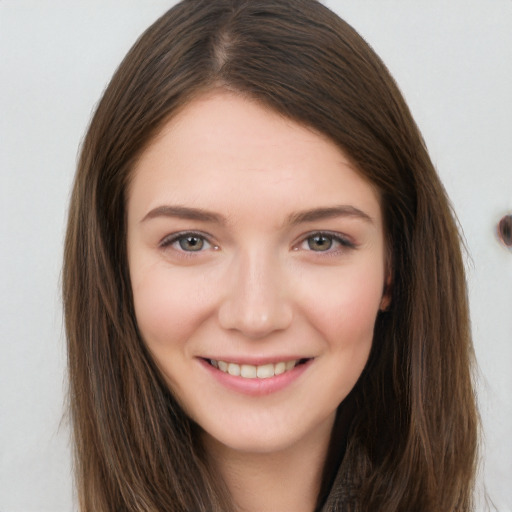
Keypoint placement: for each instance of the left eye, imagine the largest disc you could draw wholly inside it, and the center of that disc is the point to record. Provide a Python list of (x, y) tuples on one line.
[(324, 242), (188, 242), (319, 242)]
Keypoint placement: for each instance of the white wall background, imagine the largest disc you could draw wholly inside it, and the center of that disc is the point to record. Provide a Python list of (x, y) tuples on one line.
[(452, 60)]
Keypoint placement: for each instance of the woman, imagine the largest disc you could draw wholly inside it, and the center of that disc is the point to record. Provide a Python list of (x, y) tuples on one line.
[(264, 293)]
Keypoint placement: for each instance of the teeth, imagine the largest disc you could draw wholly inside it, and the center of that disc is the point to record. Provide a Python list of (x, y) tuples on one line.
[(279, 368), (249, 371), (234, 369), (265, 371), (289, 365)]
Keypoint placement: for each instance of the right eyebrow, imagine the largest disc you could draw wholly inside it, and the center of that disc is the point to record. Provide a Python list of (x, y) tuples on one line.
[(184, 212)]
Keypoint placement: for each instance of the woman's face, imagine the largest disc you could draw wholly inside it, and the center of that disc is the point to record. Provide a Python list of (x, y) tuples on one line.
[(256, 257)]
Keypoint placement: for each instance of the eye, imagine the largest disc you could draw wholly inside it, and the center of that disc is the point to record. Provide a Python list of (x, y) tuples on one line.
[(192, 243), (319, 242), (187, 242), (325, 242)]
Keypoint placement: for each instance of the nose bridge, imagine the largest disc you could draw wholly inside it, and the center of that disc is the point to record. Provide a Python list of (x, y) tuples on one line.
[(256, 302)]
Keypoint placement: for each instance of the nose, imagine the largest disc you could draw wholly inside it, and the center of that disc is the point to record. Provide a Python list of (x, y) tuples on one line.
[(256, 302)]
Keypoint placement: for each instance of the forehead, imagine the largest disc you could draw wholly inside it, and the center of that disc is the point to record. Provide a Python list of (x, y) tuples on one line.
[(225, 150)]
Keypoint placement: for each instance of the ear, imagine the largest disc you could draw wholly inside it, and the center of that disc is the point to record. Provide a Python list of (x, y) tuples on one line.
[(386, 293)]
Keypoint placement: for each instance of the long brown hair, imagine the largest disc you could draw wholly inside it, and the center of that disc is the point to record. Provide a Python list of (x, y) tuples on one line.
[(413, 436)]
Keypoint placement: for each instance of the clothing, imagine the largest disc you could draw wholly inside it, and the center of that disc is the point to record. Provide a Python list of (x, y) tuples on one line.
[(342, 496)]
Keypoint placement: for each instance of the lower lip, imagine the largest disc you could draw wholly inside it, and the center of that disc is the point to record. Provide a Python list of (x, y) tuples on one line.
[(257, 387)]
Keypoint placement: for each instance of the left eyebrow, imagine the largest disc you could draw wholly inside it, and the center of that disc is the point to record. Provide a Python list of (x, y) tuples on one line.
[(329, 213)]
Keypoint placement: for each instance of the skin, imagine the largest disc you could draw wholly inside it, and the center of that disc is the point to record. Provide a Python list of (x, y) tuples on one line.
[(259, 288)]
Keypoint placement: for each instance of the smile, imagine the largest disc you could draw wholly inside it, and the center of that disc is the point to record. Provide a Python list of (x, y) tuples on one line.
[(249, 371)]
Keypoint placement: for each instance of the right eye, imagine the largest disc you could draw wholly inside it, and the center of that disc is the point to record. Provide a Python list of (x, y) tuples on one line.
[(187, 242)]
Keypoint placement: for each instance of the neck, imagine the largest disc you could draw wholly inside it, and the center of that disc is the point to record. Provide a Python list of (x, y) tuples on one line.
[(286, 480)]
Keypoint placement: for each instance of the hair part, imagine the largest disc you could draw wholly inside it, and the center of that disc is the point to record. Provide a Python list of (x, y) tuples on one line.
[(413, 436)]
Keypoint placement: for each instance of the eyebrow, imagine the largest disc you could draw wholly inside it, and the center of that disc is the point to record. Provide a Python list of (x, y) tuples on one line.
[(184, 212), (329, 213), (315, 214)]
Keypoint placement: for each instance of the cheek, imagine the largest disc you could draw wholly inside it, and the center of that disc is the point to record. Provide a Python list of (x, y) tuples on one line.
[(168, 306), (344, 309), (345, 318)]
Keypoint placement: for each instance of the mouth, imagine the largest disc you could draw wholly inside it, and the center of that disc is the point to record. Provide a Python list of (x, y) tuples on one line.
[(249, 371)]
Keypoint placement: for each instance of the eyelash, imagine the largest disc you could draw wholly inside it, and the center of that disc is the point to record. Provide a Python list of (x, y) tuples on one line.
[(342, 242)]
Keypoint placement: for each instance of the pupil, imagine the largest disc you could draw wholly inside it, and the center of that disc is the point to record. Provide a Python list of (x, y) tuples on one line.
[(320, 243), (191, 243)]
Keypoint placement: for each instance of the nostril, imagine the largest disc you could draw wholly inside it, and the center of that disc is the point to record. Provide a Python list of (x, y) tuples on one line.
[(255, 319)]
